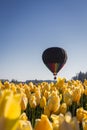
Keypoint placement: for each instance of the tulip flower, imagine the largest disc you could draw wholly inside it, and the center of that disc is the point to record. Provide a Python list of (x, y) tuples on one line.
[(24, 102), (23, 123), (43, 102), (84, 124), (46, 111), (76, 94), (32, 101), (67, 97), (81, 114), (63, 108), (10, 109), (43, 124), (53, 102)]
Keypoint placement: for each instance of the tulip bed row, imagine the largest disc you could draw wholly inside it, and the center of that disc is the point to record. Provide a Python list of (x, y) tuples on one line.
[(44, 106)]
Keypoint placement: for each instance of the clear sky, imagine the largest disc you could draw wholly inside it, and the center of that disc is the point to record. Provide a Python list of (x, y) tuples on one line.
[(28, 27)]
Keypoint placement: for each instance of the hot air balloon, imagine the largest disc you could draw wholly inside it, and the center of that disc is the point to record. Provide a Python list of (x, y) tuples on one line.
[(54, 58)]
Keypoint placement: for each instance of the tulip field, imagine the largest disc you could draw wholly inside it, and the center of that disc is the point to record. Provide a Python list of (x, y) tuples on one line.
[(60, 105)]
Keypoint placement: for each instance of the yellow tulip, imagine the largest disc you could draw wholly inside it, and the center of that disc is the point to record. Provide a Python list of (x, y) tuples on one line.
[(24, 125), (43, 102), (23, 116), (55, 121), (67, 97), (46, 111), (53, 102), (60, 82), (7, 84), (10, 109), (13, 87), (63, 108), (68, 117), (84, 124), (76, 94), (79, 114), (46, 94), (43, 124), (38, 96), (27, 91), (24, 102), (32, 101)]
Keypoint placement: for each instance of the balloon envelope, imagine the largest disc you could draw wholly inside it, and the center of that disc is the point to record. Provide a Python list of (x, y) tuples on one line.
[(54, 58)]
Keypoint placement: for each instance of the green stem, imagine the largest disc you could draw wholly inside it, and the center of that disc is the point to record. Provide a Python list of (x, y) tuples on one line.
[(73, 109), (33, 117), (82, 100)]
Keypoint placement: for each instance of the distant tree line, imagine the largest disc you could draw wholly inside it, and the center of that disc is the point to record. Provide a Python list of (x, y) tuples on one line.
[(80, 76), (27, 81)]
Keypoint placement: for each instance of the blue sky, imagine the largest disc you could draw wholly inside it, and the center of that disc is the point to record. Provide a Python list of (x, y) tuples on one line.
[(28, 27)]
